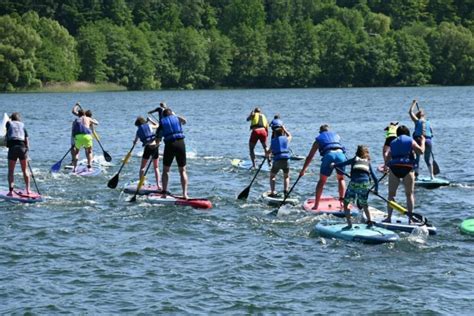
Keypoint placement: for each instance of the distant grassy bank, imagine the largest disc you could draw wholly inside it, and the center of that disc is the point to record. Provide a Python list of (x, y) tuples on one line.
[(78, 86)]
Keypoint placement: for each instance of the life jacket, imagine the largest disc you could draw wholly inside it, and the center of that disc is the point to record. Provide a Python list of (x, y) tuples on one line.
[(361, 165), (280, 148), (402, 153), (258, 121), (391, 131), (16, 131), (423, 127), (171, 127), (78, 127), (145, 133), (276, 123), (328, 141)]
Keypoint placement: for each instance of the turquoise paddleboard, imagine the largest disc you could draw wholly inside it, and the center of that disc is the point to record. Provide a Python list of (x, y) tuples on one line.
[(467, 226), (427, 182), (247, 164), (358, 232)]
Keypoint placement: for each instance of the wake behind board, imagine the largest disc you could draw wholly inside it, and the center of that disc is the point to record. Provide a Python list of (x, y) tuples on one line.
[(247, 165), (146, 189), (328, 205), (398, 223), (21, 196), (83, 171), (201, 203), (278, 199), (428, 183), (358, 232), (467, 226), (292, 157)]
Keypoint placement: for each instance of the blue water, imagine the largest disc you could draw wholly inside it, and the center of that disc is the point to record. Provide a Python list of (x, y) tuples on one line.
[(87, 250)]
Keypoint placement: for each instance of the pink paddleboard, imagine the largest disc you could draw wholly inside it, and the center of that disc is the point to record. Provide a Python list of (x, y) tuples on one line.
[(21, 196), (328, 205)]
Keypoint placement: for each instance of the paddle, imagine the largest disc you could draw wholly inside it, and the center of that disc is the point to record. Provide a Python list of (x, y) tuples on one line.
[(107, 157), (33, 176), (245, 193), (275, 211), (57, 166), (114, 181), (417, 217), (435, 165), (140, 183)]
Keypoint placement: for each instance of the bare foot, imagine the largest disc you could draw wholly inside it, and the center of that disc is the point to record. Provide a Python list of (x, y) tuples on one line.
[(10, 193)]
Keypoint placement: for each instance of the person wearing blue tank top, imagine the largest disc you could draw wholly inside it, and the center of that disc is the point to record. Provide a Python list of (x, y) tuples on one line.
[(174, 148), (400, 160), (332, 151), (422, 128), (151, 145), (280, 153)]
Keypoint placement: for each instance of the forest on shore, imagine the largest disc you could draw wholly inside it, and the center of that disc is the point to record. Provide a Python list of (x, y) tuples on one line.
[(198, 44)]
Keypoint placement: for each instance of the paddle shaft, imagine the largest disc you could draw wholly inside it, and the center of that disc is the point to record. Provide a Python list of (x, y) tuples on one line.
[(34, 180), (140, 182), (126, 158), (244, 194), (288, 193), (106, 154)]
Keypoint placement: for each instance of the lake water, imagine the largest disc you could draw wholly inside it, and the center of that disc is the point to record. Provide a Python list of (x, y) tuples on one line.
[(87, 250)]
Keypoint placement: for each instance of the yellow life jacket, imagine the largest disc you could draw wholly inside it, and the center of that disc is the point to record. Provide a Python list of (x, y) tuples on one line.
[(391, 131), (258, 121)]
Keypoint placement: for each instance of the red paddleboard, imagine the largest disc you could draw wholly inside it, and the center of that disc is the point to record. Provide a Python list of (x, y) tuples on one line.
[(21, 196), (176, 200), (328, 205)]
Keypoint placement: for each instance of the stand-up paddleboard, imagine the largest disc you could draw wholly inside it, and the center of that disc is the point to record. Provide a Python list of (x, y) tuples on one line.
[(157, 198), (83, 171), (398, 223), (277, 199), (247, 165), (358, 232), (292, 157), (21, 196), (427, 182), (467, 226), (98, 161), (3, 129), (146, 189), (328, 205)]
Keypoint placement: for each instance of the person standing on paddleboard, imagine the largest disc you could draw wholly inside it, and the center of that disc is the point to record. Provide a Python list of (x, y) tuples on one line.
[(358, 189), (147, 136), (277, 123), (422, 128), (331, 150), (17, 143), (259, 127), (280, 152), (82, 132), (402, 163), (390, 135), (173, 136)]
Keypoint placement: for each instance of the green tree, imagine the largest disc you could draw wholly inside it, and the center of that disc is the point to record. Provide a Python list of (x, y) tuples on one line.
[(281, 43), (92, 50), (117, 11), (307, 52), (220, 57)]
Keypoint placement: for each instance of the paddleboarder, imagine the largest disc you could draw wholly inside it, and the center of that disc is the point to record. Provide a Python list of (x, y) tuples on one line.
[(17, 143), (277, 123), (331, 150), (422, 128), (281, 155), (390, 135), (175, 147), (259, 128), (401, 161), (82, 132), (147, 136), (358, 189)]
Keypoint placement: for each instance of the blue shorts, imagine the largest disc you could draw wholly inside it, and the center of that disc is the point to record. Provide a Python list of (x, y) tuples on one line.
[(330, 157)]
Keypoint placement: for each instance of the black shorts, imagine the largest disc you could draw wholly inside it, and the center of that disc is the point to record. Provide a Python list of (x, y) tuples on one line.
[(401, 171), (17, 152), (174, 149), (150, 151), (388, 140)]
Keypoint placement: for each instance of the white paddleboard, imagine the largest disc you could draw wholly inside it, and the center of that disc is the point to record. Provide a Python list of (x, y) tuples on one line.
[(247, 165)]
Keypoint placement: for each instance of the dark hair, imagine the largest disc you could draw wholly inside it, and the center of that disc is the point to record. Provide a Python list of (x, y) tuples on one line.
[(140, 121), (167, 112), (15, 116), (403, 130), (80, 113), (324, 128), (277, 116), (257, 109), (88, 113), (363, 152)]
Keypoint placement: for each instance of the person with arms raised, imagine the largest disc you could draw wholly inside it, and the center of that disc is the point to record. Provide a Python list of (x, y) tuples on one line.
[(402, 163), (82, 132), (173, 136), (422, 129), (331, 150), (259, 127)]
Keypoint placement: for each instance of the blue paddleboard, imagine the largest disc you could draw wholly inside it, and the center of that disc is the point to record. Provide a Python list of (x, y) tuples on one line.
[(358, 232), (83, 171), (427, 182)]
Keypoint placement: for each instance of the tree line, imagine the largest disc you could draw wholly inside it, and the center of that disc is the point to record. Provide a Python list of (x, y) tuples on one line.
[(153, 44)]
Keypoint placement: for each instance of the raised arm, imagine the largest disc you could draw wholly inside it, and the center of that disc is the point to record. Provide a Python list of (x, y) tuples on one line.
[(76, 108), (411, 111)]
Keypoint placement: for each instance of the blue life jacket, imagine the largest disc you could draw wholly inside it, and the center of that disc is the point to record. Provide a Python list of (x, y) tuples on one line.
[(280, 148), (145, 133), (79, 128), (16, 131), (171, 127), (423, 127), (276, 123), (402, 153), (328, 141)]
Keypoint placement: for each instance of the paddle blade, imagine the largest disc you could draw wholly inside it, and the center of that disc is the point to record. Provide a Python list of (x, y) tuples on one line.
[(244, 194), (107, 157), (436, 170), (113, 182), (56, 167), (398, 207)]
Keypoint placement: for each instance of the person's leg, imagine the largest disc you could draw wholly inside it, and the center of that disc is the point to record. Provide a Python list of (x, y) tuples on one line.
[(157, 173), (393, 182), (11, 176), (367, 215), (184, 181), (272, 182), (427, 156), (142, 167), (319, 190), (164, 179), (252, 153), (26, 175), (341, 184), (347, 214), (89, 157), (168, 157), (409, 183), (286, 181)]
